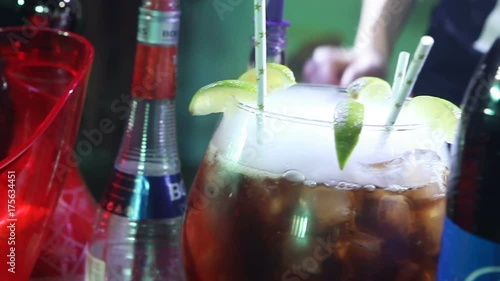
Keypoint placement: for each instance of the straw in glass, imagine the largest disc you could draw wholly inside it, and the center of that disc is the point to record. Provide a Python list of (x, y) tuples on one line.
[(400, 73), (260, 50), (418, 60)]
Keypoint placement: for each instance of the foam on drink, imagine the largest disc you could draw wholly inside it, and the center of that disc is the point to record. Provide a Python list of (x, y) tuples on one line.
[(301, 115)]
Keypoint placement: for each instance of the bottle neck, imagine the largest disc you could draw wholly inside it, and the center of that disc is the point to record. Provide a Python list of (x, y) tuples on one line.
[(276, 40), (149, 143), (156, 55), (276, 45)]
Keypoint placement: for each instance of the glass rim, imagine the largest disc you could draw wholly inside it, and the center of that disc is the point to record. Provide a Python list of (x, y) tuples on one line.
[(84, 41), (81, 75), (322, 123)]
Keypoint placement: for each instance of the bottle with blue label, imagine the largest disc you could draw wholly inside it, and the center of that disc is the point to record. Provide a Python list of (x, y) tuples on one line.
[(470, 246), (137, 232)]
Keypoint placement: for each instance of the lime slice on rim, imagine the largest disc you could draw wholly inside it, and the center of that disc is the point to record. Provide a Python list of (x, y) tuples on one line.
[(376, 96), (279, 77), (368, 90), (439, 114), (347, 125), (215, 97)]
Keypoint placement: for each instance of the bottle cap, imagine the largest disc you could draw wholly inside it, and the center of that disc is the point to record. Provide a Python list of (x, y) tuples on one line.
[(274, 13)]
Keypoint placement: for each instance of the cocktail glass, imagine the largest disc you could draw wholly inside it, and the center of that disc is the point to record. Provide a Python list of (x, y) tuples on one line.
[(44, 79), (270, 202)]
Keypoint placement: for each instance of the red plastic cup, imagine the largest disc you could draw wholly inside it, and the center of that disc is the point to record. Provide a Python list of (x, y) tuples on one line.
[(46, 72)]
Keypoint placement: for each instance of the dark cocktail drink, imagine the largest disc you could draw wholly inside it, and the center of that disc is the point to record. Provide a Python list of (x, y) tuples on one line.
[(270, 201)]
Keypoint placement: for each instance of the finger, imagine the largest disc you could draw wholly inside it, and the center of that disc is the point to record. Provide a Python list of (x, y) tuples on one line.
[(324, 73), (317, 72), (324, 53), (325, 65)]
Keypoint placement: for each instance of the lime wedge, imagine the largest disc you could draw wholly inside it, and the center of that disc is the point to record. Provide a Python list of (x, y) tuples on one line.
[(369, 90), (279, 77), (439, 114), (216, 96), (347, 125)]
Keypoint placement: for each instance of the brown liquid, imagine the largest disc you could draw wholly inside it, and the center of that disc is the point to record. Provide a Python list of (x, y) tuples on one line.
[(242, 227)]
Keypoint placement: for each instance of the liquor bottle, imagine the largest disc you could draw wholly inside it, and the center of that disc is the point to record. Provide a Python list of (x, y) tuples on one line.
[(276, 30), (470, 247), (137, 233)]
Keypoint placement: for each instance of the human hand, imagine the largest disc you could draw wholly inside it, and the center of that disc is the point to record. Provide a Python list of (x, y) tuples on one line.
[(340, 66)]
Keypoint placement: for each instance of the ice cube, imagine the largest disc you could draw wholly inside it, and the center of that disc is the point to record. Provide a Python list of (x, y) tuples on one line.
[(364, 255), (427, 194), (411, 169), (384, 173), (421, 167), (394, 217), (329, 206), (366, 206), (365, 246), (429, 225), (272, 201), (284, 197)]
